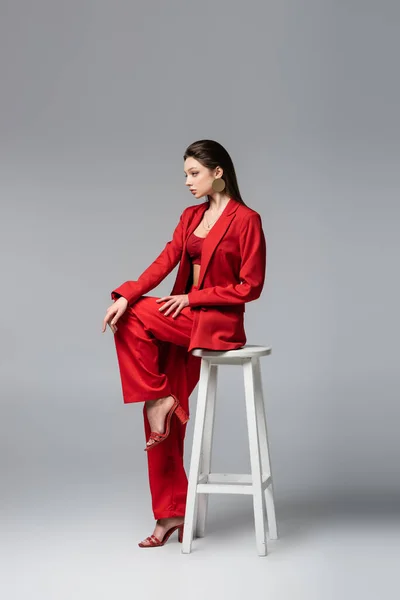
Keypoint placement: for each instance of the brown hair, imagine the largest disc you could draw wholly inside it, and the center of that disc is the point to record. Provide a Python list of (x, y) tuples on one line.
[(211, 154)]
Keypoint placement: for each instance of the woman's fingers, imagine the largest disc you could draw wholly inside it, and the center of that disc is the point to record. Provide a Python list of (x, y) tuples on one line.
[(113, 324), (168, 307), (114, 312), (105, 322), (111, 311), (167, 301), (176, 313), (116, 317), (172, 303)]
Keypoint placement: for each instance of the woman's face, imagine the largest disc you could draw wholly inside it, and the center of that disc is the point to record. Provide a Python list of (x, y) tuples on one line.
[(199, 178)]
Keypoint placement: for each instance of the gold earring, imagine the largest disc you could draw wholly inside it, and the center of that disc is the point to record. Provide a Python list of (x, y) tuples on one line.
[(218, 185)]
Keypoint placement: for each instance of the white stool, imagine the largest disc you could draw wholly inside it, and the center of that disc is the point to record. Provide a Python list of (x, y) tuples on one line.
[(201, 481)]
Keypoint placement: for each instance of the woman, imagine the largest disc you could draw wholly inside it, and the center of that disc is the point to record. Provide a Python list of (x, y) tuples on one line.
[(221, 251)]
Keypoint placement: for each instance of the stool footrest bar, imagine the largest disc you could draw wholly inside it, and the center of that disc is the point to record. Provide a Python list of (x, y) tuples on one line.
[(228, 483), (225, 488)]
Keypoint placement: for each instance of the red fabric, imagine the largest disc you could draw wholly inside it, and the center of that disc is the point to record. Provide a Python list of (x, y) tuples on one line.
[(154, 350), (194, 247)]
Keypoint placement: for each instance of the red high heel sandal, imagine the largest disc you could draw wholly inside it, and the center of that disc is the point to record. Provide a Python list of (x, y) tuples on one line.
[(160, 437), (154, 541)]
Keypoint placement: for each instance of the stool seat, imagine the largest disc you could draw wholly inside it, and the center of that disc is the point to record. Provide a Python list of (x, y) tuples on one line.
[(245, 352), (202, 481)]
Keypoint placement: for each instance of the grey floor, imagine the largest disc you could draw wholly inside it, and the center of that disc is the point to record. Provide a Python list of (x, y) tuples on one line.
[(80, 541)]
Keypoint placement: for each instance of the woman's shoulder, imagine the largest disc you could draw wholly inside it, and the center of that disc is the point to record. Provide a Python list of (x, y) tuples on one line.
[(245, 212), (189, 212), (193, 208)]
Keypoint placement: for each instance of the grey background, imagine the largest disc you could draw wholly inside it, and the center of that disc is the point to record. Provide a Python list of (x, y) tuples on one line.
[(98, 103)]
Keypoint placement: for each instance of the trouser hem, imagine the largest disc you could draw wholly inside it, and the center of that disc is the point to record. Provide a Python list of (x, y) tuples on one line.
[(157, 396), (169, 513)]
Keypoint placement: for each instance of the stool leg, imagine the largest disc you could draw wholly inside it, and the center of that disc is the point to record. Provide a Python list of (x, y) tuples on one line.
[(264, 449), (191, 499), (205, 461), (255, 458)]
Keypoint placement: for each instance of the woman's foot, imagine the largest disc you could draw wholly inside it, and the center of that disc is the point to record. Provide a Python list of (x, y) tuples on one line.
[(162, 526), (157, 411)]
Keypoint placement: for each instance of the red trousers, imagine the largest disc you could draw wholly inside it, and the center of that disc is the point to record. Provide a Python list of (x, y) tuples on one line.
[(140, 330)]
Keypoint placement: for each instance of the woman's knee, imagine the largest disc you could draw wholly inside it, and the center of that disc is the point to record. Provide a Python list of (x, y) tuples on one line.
[(143, 306), (132, 314)]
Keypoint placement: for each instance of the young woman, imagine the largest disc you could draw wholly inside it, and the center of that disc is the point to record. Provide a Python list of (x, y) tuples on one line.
[(221, 250)]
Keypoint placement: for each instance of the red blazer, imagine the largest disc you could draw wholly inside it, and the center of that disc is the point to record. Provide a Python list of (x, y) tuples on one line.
[(232, 272)]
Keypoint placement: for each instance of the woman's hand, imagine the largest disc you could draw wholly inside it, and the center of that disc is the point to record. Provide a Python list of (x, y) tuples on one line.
[(114, 312), (173, 302)]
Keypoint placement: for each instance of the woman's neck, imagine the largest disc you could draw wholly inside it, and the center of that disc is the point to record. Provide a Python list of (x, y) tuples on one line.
[(218, 201)]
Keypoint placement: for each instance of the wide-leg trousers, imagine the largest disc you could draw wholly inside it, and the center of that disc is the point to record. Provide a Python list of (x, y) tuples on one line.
[(140, 330)]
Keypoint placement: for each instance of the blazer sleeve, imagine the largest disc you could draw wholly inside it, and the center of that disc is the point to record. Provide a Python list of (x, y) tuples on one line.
[(252, 271), (157, 271)]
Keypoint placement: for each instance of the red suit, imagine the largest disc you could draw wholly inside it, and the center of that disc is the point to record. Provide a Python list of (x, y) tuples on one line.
[(154, 350)]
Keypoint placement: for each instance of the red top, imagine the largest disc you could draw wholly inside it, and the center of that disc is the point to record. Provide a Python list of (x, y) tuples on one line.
[(194, 247)]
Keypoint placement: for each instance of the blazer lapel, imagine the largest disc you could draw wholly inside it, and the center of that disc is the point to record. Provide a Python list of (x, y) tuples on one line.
[(196, 219), (216, 234)]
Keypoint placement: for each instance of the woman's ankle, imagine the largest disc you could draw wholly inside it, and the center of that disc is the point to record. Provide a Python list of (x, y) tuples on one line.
[(158, 401), (165, 520)]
